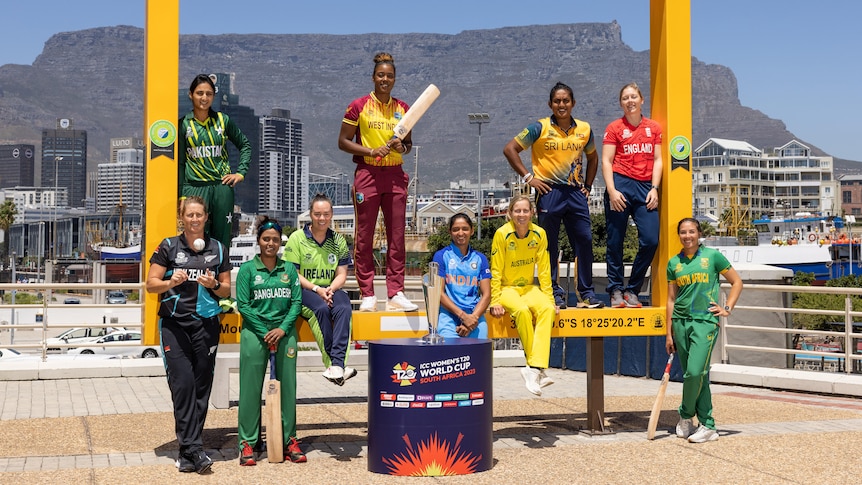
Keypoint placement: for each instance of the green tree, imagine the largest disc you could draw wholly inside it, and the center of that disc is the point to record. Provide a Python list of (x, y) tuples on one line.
[(440, 238), (823, 301), (8, 211)]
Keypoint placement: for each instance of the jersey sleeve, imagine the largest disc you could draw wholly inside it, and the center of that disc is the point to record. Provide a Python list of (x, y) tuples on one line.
[(343, 252), (722, 265), (441, 263), (295, 308), (291, 248), (224, 265), (160, 256), (610, 137), (529, 135), (242, 144), (484, 267), (590, 147), (243, 298), (351, 114), (497, 264), (543, 266)]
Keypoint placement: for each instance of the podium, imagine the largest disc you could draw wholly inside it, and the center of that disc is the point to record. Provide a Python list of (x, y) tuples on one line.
[(430, 407)]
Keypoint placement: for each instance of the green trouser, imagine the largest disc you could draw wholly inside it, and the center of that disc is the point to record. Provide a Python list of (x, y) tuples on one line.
[(253, 357), (219, 200), (694, 341)]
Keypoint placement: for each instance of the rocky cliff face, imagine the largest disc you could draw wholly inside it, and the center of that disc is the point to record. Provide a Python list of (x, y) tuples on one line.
[(95, 77)]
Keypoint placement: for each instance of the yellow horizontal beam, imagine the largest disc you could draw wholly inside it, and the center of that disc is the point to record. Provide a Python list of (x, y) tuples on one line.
[(607, 322)]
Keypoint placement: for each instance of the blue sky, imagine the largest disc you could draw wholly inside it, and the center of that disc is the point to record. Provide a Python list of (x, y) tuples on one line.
[(794, 61)]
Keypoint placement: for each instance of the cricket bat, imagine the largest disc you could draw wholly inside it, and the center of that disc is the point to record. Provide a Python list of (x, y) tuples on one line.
[(274, 435), (659, 400), (417, 109)]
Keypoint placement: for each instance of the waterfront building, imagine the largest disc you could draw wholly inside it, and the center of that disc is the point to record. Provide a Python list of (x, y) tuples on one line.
[(735, 174)]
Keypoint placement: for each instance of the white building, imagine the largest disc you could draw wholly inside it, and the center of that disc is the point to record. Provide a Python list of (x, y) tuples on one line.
[(730, 172), (121, 182)]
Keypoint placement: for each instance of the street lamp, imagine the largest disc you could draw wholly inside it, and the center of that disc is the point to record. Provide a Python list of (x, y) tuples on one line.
[(479, 119), (56, 189)]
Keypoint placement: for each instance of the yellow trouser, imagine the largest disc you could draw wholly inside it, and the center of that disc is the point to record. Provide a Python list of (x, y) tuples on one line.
[(523, 302)]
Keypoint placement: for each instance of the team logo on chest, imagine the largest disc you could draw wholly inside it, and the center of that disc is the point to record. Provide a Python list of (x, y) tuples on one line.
[(704, 263), (285, 278), (182, 258), (331, 258), (258, 280)]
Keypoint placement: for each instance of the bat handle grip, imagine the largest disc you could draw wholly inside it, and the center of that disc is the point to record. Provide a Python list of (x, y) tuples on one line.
[(378, 158), (272, 349), (669, 362)]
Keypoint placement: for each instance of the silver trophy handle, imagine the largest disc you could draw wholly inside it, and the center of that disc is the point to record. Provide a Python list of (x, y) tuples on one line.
[(432, 289)]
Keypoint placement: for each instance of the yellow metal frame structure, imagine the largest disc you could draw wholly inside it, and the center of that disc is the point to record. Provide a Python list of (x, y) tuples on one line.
[(670, 73)]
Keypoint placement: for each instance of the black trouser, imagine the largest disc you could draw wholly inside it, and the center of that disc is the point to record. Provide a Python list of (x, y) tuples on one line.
[(189, 351)]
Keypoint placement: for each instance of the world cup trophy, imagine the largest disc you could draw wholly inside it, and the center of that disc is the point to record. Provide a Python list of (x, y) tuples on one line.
[(432, 288)]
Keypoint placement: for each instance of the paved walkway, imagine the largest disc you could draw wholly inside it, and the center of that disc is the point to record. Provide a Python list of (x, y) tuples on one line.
[(119, 430)]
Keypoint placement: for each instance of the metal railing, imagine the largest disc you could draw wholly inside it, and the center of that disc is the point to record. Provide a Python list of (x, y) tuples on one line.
[(736, 342), (732, 330), (44, 310)]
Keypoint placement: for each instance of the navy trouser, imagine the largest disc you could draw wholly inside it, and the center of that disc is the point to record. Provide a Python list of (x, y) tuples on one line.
[(646, 221), (189, 352), (333, 323), (568, 205)]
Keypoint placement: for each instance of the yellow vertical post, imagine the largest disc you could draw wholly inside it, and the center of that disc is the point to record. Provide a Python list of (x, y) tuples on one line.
[(670, 75), (161, 73)]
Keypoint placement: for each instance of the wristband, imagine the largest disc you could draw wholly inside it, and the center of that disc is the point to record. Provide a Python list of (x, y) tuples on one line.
[(588, 187), (654, 187), (217, 285), (528, 177), (315, 288)]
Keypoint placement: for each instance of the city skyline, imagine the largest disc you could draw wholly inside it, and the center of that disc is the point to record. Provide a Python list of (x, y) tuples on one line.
[(778, 52)]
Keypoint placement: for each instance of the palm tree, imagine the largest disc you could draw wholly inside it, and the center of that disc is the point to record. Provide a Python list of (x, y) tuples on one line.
[(8, 211)]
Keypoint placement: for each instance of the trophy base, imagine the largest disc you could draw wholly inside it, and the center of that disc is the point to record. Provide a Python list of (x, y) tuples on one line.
[(432, 339)]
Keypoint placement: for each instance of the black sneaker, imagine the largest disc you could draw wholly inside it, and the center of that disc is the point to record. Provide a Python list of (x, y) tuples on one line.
[(202, 462), (560, 297), (184, 464)]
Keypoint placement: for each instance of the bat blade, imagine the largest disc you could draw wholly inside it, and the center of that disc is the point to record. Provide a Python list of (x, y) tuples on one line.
[(659, 400), (416, 111), (272, 415)]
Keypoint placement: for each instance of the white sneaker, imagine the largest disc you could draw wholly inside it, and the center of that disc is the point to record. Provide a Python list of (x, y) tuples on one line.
[(349, 372), (334, 374), (544, 380), (684, 428), (703, 434), (369, 304), (400, 303), (531, 380)]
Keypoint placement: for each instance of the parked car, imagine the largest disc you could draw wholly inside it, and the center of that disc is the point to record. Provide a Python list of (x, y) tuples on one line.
[(9, 353), (116, 298), (124, 342), (76, 335), (72, 300)]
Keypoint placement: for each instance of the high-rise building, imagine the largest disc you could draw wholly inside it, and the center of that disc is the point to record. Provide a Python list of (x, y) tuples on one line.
[(129, 142), (64, 160), (122, 183), (283, 190), (17, 165), (227, 102), (336, 187)]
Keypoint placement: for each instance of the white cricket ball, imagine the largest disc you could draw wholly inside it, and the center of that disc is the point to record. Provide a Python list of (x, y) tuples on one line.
[(199, 244)]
